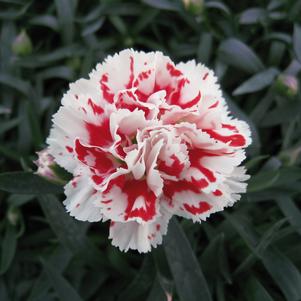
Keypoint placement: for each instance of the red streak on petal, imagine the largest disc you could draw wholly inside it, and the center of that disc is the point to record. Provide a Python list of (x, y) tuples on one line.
[(131, 79), (191, 102), (94, 157), (172, 187), (112, 224), (107, 95), (214, 105), (158, 227), (195, 156), (202, 207), (77, 205), (69, 149), (106, 201), (217, 192), (205, 76), (118, 181), (173, 71), (99, 135), (96, 109), (235, 140), (174, 169), (230, 127), (135, 189)]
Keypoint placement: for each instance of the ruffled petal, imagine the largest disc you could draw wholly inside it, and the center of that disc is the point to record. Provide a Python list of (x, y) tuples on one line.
[(140, 237), (80, 198)]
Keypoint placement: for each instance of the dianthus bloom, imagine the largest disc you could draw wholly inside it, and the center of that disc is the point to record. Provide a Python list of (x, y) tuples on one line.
[(146, 139)]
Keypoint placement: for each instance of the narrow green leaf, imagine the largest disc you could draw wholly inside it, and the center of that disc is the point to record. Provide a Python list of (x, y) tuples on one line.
[(15, 83), (70, 232), (255, 291), (262, 180), (62, 287), (40, 60), (214, 259), (65, 10), (284, 273), (189, 279), (13, 14), (27, 183), (280, 267), (254, 161), (63, 72), (47, 21), (3, 291), (257, 82), (8, 125), (287, 111), (59, 259), (205, 47), (93, 27), (157, 293), (297, 41), (141, 283), (237, 54), (291, 211), (8, 246)]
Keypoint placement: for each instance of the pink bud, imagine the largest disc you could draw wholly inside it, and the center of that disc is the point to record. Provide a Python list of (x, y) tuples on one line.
[(45, 162)]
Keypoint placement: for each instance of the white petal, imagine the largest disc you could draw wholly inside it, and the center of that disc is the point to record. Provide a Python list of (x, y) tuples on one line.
[(80, 200), (132, 235)]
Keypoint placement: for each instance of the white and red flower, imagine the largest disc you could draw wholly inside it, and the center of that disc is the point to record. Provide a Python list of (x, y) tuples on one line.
[(146, 139)]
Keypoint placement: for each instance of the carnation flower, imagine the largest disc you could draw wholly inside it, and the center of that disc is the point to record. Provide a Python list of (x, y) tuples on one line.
[(146, 139)]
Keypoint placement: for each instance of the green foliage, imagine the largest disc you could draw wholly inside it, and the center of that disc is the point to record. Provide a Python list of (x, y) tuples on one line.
[(252, 251)]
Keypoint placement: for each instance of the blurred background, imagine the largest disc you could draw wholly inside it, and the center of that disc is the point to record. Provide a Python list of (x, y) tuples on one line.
[(249, 252)]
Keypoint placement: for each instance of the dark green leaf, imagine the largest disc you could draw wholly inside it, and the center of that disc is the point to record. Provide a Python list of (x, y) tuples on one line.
[(15, 83), (255, 291), (13, 14), (8, 246), (141, 283), (157, 293), (189, 279), (27, 183), (70, 232), (63, 288), (65, 11), (47, 21), (297, 41), (59, 260), (291, 211), (263, 180)]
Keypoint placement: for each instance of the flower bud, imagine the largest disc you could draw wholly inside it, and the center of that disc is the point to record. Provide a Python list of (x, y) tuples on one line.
[(194, 6), (22, 44), (45, 164), (287, 85), (48, 168)]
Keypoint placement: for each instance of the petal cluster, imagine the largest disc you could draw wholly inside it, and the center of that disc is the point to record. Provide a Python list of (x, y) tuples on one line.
[(146, 139)]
